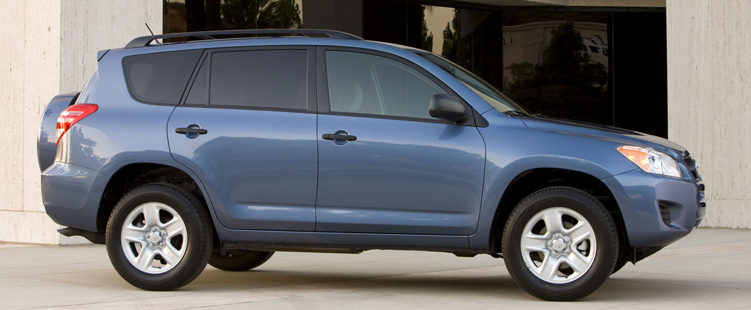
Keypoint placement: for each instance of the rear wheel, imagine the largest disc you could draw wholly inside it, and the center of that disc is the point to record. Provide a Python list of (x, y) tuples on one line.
[(239, 260), (159, 237), (560, 244)]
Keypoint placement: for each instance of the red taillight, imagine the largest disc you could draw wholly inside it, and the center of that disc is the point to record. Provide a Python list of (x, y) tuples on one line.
[(71, 116)]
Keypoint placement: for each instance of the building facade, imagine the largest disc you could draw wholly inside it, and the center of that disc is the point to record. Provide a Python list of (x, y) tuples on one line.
[(674, 68)]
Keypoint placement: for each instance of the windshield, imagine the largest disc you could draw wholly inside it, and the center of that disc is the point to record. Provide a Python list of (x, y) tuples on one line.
[(486, 91)]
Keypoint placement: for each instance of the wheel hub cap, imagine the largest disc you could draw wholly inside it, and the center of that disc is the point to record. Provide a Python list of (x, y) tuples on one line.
[(155, 237), (559, 244)]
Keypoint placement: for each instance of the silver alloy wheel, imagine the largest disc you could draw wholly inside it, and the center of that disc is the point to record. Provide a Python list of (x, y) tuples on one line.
[(154, 238), (558, 245)]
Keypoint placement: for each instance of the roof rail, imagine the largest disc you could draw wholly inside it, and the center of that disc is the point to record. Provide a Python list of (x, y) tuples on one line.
[(209, 35)]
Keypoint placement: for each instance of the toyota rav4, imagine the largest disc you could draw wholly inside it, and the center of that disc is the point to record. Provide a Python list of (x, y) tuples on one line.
[(223, 151)]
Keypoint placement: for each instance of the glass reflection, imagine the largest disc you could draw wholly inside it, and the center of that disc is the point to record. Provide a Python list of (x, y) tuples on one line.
[(202, 15), (557, 63), (469, 38)]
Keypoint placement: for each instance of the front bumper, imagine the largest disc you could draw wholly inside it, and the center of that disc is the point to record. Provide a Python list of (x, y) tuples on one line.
[(656, 210)]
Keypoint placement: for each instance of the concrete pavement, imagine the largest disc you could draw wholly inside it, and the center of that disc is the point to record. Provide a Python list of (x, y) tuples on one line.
[(709, 269)]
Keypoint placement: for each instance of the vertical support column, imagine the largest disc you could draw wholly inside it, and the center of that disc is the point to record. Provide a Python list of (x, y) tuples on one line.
[(709, 100), (50, 47), (29, 77)]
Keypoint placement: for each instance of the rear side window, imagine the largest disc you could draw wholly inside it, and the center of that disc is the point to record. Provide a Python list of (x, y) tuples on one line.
[(159, 78), (268, 79)]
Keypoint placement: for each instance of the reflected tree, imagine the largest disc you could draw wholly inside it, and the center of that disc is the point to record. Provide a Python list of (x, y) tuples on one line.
[(174, 17), (454, 47), (566, 84), (426, 36), (260, 14), (85, 149), (200, 15), (451, 38)]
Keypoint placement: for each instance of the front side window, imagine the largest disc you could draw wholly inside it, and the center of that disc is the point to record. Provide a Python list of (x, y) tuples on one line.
[(273, 79), (369, 84)]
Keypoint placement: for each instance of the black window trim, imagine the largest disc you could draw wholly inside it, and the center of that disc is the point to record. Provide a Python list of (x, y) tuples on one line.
[(323, 90), (193, 77), (311, 106)]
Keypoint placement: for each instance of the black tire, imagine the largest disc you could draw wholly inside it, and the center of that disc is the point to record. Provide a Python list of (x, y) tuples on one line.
[(171, 255), (591, 248), (619, 264), (239, 260)]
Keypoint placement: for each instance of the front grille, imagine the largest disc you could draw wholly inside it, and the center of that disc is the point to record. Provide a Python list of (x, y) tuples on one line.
[(692, 166)]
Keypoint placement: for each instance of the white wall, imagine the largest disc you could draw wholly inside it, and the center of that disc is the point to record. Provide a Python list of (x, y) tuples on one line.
[(49, 47), (709, 100), (93, 25), (29, 77)]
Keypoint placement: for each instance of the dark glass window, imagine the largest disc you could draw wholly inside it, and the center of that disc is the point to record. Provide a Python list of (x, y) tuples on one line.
[(369, 84), (159, 78), (197, 94), (259, 79), (556, 63), (200, 15)]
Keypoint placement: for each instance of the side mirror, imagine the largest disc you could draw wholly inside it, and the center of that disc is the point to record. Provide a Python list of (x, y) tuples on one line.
[(449, 108)]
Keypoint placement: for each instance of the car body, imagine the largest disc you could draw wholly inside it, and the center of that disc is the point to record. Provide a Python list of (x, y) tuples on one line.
[(316, 143)]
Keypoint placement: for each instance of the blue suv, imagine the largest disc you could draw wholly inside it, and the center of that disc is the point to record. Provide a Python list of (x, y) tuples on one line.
[(223, 151)]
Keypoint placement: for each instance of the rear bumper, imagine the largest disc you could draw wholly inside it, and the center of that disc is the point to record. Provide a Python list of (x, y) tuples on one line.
[(656, 210), (71, 195)]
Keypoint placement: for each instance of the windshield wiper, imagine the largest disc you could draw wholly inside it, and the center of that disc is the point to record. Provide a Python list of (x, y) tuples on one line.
[(515, 113), (520, 113)]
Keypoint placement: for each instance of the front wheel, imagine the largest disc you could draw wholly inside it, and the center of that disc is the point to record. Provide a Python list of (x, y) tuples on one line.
[(560, 244), (620, 264), (159, 237)]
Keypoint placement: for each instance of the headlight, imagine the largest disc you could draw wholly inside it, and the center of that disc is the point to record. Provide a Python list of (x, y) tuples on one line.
[(651, 161)]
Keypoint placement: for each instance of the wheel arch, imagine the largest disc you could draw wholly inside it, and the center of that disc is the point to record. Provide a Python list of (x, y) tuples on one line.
[(133, 175), (533, 180)]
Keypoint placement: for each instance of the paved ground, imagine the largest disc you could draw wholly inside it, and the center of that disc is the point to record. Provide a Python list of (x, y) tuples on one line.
[(709, 269)]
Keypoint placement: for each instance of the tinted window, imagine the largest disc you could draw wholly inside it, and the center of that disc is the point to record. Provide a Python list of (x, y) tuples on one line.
[(159, 78), (197, 94), (259, 79), (369, 84)]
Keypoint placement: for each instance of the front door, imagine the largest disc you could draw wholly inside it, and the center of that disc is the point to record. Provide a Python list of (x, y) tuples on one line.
[(385, 165)]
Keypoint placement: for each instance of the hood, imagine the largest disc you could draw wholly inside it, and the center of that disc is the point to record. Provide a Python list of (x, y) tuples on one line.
[(620, 135)]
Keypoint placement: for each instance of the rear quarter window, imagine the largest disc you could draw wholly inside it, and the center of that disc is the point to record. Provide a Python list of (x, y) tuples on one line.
[(159, 78)]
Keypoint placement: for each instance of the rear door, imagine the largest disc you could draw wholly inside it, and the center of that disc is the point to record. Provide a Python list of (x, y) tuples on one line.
[(385, 165), (247, 128)]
